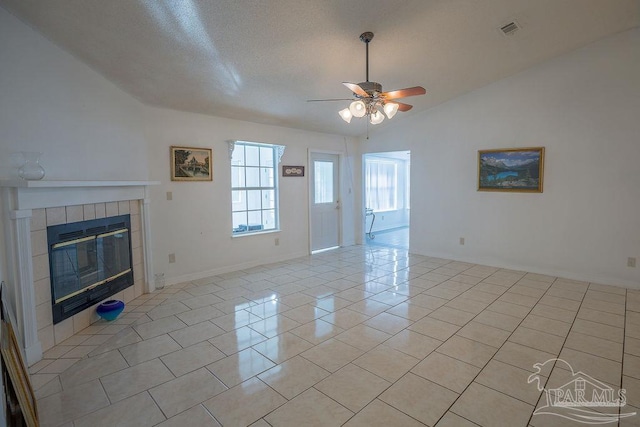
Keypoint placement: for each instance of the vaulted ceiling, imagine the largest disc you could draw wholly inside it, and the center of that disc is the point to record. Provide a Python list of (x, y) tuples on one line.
[(261, 60)]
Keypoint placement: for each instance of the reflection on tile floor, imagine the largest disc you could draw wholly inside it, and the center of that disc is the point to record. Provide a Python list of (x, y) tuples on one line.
[(397, 238), (360, 336)]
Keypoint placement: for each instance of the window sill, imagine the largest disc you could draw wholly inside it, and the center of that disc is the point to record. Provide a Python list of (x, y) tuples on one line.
[(255, 233)]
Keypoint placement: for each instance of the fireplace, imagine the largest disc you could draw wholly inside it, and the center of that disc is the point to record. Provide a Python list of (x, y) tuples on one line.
[(28, 209), (89, 261)]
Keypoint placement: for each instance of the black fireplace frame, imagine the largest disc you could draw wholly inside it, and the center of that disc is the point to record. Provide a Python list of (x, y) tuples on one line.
[(77, 230)]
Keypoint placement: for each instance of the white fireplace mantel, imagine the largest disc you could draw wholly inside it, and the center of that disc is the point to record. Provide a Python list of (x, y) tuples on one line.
[(47, 194), (19, 198)]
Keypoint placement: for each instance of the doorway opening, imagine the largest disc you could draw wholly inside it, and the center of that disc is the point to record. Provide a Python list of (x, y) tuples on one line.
[(387, 200)]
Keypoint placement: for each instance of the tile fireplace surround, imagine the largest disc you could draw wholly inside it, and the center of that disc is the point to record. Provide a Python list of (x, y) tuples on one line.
[(29, 207)]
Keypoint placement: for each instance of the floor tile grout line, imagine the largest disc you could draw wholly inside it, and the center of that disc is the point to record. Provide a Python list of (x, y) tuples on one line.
[(435, 350), (496, 352), (556, 361)]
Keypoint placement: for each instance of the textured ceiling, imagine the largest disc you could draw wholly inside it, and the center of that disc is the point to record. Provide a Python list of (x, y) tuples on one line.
[(261, 60)]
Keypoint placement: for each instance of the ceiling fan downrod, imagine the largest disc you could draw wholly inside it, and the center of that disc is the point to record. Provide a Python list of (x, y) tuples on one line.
[(366, 37)]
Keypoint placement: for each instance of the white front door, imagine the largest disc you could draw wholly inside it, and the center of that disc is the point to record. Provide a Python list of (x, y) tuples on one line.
[(325, 201)]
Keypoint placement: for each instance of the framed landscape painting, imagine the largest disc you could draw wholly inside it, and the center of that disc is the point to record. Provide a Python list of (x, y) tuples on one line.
[(512, 170), (191, 164)]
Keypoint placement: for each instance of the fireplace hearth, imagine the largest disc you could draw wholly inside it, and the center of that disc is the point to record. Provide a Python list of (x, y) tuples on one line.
[(89, 261)]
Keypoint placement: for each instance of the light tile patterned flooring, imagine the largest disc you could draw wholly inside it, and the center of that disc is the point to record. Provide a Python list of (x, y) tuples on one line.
[(395, 238), (360, 336)]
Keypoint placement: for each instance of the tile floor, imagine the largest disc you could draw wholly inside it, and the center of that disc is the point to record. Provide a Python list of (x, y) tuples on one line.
[(360, 336), (395, 238)]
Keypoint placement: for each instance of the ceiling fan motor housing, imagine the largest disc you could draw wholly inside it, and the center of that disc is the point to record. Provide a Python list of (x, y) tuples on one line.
[(372, 88)]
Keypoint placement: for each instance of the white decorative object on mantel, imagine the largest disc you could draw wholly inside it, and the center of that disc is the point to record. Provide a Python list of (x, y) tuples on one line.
[(31, 169), (19, 199)]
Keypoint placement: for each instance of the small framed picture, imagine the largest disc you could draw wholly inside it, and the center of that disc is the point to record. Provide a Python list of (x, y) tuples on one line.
[(191, 164), (511, 170), (292, 170)]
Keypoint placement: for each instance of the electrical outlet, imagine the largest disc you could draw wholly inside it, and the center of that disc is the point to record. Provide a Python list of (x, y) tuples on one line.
[(277, 241), (169, 195), (631, 262), (462, 240), (172, 258)]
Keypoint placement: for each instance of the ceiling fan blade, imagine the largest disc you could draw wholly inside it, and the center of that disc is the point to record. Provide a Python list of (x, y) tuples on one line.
[(403, 107), (330, 99), (356, 89), (403, 93)]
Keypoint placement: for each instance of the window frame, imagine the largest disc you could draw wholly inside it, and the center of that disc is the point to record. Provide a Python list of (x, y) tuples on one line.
[(273, 173)]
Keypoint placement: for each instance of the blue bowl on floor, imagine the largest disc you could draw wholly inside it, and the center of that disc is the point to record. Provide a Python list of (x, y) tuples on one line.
[(110, 310)]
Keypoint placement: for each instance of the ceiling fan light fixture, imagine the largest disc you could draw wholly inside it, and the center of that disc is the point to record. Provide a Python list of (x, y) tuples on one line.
[(376, 117), (346, 115), (368, 98), (390, 109), (358, 109)]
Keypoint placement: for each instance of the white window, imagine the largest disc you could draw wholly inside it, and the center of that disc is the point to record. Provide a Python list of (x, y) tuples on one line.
[(381, 184), (254, 187)]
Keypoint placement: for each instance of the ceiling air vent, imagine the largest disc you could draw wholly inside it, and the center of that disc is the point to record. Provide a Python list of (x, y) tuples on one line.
[(510, 28)]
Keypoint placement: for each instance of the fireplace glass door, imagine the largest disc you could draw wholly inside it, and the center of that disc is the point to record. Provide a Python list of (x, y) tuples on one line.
[(88, 262)]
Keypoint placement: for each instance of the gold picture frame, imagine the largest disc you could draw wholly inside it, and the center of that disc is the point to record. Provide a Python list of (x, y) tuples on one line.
[(191, 164), (519, 170), (20, 389)]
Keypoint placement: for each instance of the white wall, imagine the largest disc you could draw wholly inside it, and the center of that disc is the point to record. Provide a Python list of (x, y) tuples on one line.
[(196, 224), (584, 107), (85, 126), (88, 129)]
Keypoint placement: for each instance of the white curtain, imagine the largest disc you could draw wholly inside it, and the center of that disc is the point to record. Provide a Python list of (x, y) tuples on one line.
[(381, 183)]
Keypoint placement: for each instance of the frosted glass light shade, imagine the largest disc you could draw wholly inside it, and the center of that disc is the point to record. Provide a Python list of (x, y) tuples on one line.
[(358, 109), (346, 115), (390, 109), (376, 117)]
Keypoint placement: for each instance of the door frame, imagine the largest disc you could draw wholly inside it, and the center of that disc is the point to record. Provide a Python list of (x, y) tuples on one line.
[(364, 188), (341, 194)]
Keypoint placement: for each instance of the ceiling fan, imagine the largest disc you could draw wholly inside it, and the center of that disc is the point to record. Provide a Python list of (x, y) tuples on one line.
[(369, 99)]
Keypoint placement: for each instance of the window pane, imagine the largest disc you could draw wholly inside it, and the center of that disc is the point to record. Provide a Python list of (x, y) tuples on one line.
[(266, 177), (253, 200), (237, 176), (255, 218), (323, 181), (266, 156), (268, 199), (238, 155), (252, 156), (239, 221), (239, 200), (269, 219), (253, 177), (381, 183)]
